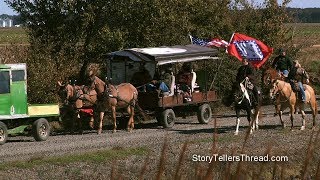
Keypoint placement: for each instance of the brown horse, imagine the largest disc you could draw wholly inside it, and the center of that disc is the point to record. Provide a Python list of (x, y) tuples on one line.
[(288, 98), (268, 77), (271, 74), (80, 100), (113, 97)]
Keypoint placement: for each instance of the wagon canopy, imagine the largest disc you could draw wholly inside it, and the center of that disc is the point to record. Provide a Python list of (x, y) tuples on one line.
[(166, 54)]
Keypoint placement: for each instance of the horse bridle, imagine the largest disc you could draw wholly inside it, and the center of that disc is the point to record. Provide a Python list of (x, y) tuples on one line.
[(280, 90)]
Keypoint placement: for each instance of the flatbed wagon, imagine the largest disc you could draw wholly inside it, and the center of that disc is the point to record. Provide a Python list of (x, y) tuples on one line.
[(17, 116)]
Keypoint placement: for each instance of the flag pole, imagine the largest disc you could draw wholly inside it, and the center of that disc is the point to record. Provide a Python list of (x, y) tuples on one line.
[(230, 41), (190, 38)]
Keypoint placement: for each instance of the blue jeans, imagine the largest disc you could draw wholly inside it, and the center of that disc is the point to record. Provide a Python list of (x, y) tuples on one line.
[(285, 73), (163, 87), (303, 94)]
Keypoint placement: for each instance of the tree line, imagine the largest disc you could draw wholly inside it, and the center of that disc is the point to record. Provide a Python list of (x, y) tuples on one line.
[(66, 36)]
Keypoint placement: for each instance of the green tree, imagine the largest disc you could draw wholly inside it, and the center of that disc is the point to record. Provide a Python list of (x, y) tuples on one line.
[(69, 35)]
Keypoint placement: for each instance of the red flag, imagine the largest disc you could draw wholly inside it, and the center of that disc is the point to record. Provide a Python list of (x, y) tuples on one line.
[(254, 50)]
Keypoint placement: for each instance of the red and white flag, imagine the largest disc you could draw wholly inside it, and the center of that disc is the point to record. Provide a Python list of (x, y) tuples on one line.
[(245, 46), (217, 42)]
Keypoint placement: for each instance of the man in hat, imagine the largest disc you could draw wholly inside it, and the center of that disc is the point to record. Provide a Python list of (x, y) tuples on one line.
[(298, 75), (282, 63)]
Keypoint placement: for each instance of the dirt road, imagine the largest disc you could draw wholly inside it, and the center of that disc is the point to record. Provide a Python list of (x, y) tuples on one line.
[(148, 134), (281, 142)]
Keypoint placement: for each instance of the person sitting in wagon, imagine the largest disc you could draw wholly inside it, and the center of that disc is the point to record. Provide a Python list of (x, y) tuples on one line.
[(141, 78), (184, 78), (162, 82)]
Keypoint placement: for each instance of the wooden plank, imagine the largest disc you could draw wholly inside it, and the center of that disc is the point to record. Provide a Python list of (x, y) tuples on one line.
[(43, 110)]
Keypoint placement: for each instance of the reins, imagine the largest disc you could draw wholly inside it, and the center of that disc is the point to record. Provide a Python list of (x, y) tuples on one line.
[(245, 81)]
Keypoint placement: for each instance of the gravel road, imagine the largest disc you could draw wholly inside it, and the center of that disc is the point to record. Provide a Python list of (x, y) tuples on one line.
[(152, 136)]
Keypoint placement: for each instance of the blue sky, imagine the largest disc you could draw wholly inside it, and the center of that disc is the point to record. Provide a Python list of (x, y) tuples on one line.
[(4, 9), (298, 3)]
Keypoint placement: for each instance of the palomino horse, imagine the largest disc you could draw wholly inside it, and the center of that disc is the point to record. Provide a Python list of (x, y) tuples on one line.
[(243, 101), (122, 96), (288, 98), (79, 99)]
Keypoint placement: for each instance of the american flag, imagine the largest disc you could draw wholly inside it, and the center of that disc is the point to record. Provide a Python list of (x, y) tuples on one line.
[(217, 42), (200, 42)]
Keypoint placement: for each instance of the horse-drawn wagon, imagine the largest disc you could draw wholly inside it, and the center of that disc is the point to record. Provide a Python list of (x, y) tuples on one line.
[(165, 107), (16, 115)]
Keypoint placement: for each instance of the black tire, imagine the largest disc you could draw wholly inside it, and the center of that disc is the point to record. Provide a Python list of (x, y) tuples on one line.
[(204, 114), (3, 133), (41, 129), (168, 118)]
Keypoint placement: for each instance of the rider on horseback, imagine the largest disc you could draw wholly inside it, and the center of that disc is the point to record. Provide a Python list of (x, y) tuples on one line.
[(246, 72), (298, 75), (282, 63)]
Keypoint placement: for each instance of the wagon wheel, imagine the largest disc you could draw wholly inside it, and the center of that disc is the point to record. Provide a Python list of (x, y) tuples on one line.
[(167, 118), (41, 129), (3, 133), (204, 114)]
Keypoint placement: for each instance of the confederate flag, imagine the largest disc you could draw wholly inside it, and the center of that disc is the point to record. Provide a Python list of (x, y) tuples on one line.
[(245, 46)]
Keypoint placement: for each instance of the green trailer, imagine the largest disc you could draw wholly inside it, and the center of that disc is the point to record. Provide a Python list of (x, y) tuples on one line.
[(16, 115)]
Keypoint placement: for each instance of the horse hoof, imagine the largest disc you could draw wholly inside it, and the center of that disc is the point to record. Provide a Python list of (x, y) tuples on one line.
[(114, 131), (302, 128), (91, 125), (236, 133), (99, 131)]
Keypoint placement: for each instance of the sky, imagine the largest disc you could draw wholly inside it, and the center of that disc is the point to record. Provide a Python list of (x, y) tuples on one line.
[(4, 9)]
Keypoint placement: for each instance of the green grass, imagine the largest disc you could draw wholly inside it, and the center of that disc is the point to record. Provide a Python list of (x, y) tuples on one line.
[(95, 157), (14, 35), (306, 28)]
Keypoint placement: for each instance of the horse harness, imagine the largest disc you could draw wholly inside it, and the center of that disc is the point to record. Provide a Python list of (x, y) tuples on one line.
[(108, 90), (77, 94)]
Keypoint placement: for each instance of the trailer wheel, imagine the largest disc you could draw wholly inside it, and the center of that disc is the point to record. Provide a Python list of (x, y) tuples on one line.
[(3, 133), (168, 118), (204, 114), (41, 129)]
